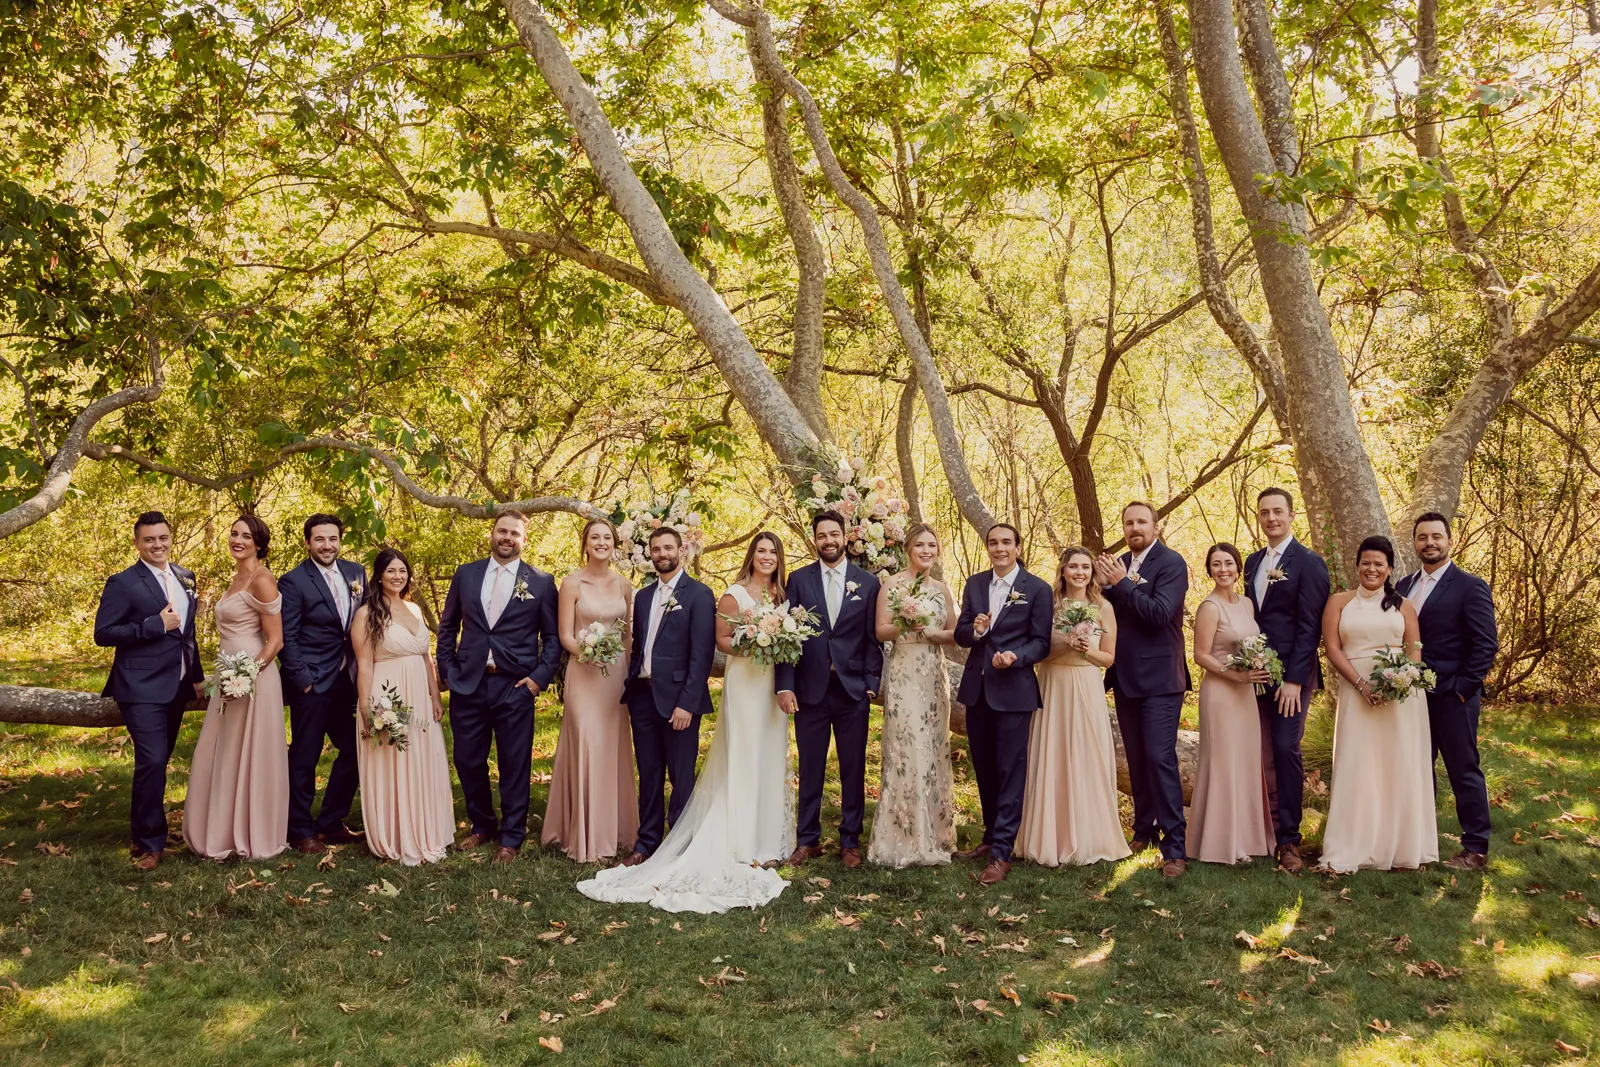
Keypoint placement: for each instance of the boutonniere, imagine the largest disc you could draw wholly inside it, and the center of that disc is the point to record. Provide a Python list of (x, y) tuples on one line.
[(355, 587), (187, 583), (1276, 575), (851, 587), (1016, 598), (671, 603), (1136, 579), (521, 591)]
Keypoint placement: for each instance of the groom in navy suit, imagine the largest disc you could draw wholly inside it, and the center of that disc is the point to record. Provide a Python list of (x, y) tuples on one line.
[(1455, 616), (1146, 587), (829, 690), (674, 643), (498, 649), (147, 614), (1006, 619), (320, 597), (1288, 586)]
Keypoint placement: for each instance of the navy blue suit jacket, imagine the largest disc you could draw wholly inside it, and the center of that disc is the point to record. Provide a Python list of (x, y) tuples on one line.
[(1150, 651), (524, 639), (1457, 627), (1022, 626), (152, 665), (849, 647), (1291, 615), (315, 640), (686, 644)]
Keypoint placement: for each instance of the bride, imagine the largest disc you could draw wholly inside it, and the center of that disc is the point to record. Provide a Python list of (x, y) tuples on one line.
[(741, 814)]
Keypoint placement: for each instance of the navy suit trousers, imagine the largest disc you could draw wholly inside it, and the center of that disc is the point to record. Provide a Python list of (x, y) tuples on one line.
[(1149, 728), (843, 719), (1282, 763), (1454, 726), (663, 754), (497, 711), (153, 729), (998, 742), (312, 717)]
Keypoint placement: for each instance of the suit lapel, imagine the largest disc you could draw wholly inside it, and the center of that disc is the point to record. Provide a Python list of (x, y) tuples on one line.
[(643, 607), (314, 572), (821, 599), (1006, 603), (1438, 587), (1283, 564), (150, 582)]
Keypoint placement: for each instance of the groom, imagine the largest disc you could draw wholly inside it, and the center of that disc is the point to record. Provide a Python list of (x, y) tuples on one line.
[(497, 651), (674, 643), (1288, 587), (147, 614), (320, 597), (1005, 620), (829, 690)]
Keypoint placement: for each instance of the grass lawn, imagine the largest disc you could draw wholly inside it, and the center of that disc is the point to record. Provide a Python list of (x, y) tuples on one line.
[(354, 962)]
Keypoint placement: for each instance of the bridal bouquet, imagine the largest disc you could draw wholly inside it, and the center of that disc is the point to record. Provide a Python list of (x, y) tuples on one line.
[(875, 521), (637, 519), (772, 633), (1395, 677), (390, 718), (1079, 618), (913, 607), (601, 644), (235, 677), (1256, 655)]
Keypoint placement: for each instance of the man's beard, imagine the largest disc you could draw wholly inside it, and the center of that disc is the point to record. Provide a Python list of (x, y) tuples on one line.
[(665, 566), (831, 556), (505, 551), (1432, 554)]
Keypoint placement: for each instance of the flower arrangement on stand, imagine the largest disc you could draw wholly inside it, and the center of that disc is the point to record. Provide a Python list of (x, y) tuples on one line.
[(637, 519), (875, 519)]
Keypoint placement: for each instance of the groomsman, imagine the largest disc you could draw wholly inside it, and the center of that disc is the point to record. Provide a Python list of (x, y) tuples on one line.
[(320, 597), (829, 690), (498, 649), (1006, 620), (147, 613), (1455, 616), (1288, 586), (674, 643), (1146, 587)]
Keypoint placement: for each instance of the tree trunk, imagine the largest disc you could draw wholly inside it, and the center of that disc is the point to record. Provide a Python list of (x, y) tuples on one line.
[(1323, 423), (61, 707)]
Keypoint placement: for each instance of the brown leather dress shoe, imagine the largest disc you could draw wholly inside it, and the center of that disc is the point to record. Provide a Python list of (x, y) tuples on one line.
[(633, 859), (803, 853), (1175, 867), (147, 861), (309, 845), (1290, 860), (1467, 861), (1139, 844), (850, 857), (342, 836), (996, 871), (472, 841), (979, 853), (504, 854)]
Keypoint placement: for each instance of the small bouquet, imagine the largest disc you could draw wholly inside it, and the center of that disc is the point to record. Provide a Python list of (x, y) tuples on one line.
[(1079, 618), (390, 718), (600, 643), (1395, 677), (913, 606), (1256, 655), (772, 633), (235, 677)]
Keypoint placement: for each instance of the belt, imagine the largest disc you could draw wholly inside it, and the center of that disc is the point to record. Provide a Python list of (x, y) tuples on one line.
[(490, 668)]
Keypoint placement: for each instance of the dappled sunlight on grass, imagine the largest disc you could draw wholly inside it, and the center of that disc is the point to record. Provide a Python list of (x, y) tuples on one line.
[(1532, 966), (233, 1019), (1099, 955), (78, 997), (1126, 869)]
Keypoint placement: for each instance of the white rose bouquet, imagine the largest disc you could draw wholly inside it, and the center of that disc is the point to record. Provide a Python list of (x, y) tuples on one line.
[(235, 677), (1395, 677), (913, 606), (1255, 655), (389, 718), (637, 519), (772, 633), (600, 643)]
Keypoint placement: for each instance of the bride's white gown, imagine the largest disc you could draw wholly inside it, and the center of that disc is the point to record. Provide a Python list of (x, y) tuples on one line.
[(740, 815)]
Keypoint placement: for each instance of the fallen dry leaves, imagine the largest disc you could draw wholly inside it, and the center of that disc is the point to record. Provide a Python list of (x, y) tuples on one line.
[(552, 1043)]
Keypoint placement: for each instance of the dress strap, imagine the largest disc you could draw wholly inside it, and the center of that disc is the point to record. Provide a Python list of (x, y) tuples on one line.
[(742, 596)]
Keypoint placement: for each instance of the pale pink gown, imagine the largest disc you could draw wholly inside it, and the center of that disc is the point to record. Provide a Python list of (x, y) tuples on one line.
[(406, 802), (238, 800), (593, 813)]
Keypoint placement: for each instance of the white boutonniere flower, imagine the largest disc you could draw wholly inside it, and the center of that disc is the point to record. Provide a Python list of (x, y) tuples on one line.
[(1136, 579), (355, 587), (521, 591), (1016, 598), (1276, 575), (851, 587), (671, 604), (187, 583)]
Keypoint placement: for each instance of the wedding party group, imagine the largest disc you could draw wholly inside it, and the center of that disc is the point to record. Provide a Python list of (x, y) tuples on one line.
[(356, 663)]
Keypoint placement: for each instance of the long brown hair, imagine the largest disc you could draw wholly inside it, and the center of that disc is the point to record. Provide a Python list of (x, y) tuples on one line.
[(375, 600), (583, 538), (1092, 589), (748, 567)]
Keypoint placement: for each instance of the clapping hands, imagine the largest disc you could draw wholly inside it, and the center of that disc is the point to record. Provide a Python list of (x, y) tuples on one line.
[(1108, 570)]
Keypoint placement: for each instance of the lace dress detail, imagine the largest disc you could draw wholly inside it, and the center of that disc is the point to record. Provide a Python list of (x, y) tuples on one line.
[(915, 821)]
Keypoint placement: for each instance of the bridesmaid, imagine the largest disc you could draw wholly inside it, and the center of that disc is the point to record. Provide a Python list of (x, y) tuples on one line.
[(406, 802), (1380, 808), (1069, 811), (1229, 820), (238, 800), (915, 822), (593, 812)]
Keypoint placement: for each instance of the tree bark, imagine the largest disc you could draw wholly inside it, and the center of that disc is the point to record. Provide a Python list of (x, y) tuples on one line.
[(1321, 419), (61, 707), (777, 419), (905, 421)]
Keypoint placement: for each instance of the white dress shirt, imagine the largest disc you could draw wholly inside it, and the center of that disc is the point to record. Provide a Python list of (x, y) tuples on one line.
[(338, 587), (658, 611), (499, 581), (1424, 585), (833, 582), (1000, 590), (176, 596), (1268, 563)]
